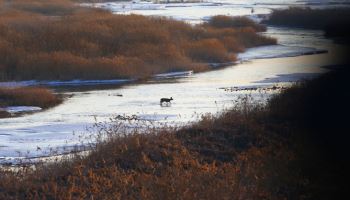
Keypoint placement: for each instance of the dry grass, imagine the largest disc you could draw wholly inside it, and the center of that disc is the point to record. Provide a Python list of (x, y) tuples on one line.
[(28, 96), (58, 40), (254, 152), (4, 114), (222, 21), (45, 7), (334, 22), (195, 163)]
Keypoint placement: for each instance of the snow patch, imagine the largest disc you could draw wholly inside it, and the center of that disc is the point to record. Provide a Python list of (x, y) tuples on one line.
[(18, 109), (174, 74), (277, 51), (63, 83)]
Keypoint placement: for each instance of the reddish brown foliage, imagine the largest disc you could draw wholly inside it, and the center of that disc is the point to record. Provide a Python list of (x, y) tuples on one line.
[(334, 21), (250, 153), (222, 21), (69, 42), (208, 50), (47, 7), (4, 114), (218, 158), (28, 97)]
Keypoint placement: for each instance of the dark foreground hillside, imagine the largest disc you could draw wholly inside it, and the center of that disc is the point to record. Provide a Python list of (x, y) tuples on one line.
[(294, 148)]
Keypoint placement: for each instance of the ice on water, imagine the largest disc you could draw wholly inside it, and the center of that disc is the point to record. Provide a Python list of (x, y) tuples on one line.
[(64, 126)]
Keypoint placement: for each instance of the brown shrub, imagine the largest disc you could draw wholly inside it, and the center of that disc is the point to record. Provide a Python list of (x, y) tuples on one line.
[(222, 21), (232, 44), (4, 114), (28, 97), (334, 21), (46, 7), (207, 50), (218, 158), (307, 17), (248, 38), (87, 43)]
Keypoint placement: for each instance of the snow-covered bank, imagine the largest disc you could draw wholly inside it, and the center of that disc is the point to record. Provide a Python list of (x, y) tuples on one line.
[(277, 51), (174, 74), (64, 83), (21, 109), (12, 84)]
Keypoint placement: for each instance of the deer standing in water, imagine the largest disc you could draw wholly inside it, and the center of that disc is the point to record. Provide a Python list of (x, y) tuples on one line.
[(166, 100)]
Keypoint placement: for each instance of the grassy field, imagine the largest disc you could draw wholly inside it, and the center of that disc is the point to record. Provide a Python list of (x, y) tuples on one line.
[(58, 40), (293, 148)]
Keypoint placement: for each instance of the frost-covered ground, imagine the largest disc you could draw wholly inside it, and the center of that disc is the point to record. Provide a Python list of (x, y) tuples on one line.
[(61, 128)]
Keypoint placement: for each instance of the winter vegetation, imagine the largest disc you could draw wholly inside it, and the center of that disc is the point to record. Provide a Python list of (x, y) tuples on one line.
[(334, 21), (292, 148), (223, 21), (4, 114), (58, 40), (27, 96)]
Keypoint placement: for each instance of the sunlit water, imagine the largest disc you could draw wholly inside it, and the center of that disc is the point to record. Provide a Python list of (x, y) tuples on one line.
[(63, 126)]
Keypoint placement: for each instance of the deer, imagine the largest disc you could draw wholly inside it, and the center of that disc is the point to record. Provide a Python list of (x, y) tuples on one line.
[(166, 100)]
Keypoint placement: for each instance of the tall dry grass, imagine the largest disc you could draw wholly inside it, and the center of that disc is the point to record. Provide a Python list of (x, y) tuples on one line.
[(4, 114), (212, 160), (222, 21), (46, 7), (294, 148), (59, 40), (28, 96), (334, 21)]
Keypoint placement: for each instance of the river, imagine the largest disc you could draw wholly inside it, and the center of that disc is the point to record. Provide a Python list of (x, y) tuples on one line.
[(63, 127)]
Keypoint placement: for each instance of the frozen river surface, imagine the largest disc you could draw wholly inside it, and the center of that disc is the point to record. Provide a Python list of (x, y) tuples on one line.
[(198, 12), (64, 126)]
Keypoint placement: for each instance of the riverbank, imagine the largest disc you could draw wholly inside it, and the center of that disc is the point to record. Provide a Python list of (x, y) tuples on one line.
[(19, 100), (333, 21), (80, 46), (84, 43), (287, 149)]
